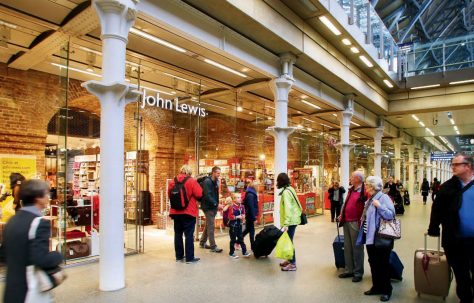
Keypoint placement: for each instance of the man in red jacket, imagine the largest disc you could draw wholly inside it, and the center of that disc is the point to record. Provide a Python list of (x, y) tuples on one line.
[(185, 219)]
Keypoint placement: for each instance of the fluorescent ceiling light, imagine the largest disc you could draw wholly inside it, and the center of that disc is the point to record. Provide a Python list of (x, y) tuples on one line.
[(156, 90), (426, 86), (429, 131), (388, 83), (309, 120), (452, 121), (270, 118), (457, 132), (366, 61), (325, 125), (461, 82), (346, 41), (355, 136), (8, 24), (355, 50), (225, 68), (356, 124), (268, 106), (415, 117), (330, 25), (422, 124), (455, 128), (76, 70), (335, 115), (156, 40), (310, 104), (186, 80)]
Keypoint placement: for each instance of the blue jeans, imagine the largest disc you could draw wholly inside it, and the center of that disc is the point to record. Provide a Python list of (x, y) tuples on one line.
[(291, 233), (184, 224)]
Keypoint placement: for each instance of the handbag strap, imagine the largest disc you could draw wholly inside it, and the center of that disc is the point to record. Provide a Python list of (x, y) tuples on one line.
[(33, 228), (294, 197)]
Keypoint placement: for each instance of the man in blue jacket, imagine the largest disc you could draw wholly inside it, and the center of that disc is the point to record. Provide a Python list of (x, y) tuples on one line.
[(209, 205), (251, 212)]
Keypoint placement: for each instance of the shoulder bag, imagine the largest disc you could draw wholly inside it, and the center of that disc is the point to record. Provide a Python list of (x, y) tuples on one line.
[(303, 218), (390, 229)]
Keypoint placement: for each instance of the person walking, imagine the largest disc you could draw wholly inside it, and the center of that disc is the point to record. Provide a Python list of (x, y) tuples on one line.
[(350, 221), (290, 214), (425, 190), (378, 207), (15, 182), (336, 196), (453, 209), (251, 212), (20, 251), (209, 205), (236, 215), (188, 190), (435, 186)]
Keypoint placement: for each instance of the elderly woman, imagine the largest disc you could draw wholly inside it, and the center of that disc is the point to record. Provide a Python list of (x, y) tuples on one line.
[(378, 207)]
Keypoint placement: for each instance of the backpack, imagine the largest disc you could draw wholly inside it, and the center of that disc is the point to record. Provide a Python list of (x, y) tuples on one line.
[(175, 195)]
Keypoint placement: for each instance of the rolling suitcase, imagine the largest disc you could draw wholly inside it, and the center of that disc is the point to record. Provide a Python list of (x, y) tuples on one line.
[(266, 240), (432, 272), (396, 267), (338, 247), (399, 209)]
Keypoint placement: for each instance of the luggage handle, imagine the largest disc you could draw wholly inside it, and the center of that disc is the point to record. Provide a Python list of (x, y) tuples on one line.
[(426, 245), (337, 228)]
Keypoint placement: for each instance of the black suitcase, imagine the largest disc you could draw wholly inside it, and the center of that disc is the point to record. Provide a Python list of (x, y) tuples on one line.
[(338, 247), (396, 267), (266, 240), (399, 209)]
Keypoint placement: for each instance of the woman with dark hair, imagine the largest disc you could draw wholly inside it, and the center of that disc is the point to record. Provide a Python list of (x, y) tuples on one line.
[(425, 189), (290, 214), (15, 182), (21, 250)]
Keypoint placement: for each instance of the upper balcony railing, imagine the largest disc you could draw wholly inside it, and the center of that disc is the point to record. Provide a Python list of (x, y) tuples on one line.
[(361, 13)]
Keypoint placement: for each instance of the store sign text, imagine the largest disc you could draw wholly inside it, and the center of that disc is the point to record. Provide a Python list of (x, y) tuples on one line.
[(149, 100)]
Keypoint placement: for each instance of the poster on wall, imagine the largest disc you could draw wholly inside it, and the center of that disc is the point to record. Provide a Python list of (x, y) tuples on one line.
[(23, 164)]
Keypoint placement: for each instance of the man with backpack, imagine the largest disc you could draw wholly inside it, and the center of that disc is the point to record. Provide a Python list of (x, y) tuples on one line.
[(209, 205), (183, 193)]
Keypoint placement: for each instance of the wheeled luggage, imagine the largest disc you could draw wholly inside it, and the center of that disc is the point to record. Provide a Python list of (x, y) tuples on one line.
[(432, 273), (266, 240), (399, 209), (338, 247), (406, 198), (396, 267)]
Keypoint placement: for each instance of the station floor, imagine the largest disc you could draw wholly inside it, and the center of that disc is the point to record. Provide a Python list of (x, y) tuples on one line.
[(155, 276)]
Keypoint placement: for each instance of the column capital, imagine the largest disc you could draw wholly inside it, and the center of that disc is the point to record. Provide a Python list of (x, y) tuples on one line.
[(340, 145), (116, 17), (124, 92), (346, 116), (274, 131), (287, 60)]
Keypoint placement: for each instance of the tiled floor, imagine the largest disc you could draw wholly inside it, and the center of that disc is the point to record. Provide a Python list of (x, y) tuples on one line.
[(156, 277)]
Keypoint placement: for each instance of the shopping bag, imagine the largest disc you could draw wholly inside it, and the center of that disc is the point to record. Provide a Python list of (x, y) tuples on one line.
[(284, 247)]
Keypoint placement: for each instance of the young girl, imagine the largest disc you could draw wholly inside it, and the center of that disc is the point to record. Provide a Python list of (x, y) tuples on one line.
[(236, 212)]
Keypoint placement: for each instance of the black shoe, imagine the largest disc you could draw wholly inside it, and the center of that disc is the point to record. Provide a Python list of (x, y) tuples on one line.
[(356, 279), (371, 292), (195, 260), (384, 298), (205, 246), (216, 249), (180, 260), (345, 275)]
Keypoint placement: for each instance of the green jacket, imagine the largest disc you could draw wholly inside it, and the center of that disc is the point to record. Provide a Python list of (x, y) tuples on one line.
[(290, 207)]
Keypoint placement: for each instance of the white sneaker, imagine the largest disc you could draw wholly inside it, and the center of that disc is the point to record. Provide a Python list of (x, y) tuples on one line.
[(233, 256), (246, 255)]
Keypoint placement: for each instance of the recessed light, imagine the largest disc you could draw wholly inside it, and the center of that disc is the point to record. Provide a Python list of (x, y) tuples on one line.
[(366, 61), (250, 113), (346, 41), (355, 50), (425, 86), (415, 117), (239, 108), (330, 25), (388, 83), (461, 82)]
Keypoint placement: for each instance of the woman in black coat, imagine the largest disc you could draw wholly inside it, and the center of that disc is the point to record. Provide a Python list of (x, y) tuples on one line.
[(251, 212), (425, 190), (21, 252)]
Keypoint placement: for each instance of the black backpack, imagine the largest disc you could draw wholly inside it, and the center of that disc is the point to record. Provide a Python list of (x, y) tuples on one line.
[(175, 195)]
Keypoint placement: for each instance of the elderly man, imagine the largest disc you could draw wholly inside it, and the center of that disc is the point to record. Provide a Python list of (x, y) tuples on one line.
[(350, 220), (453, 208)]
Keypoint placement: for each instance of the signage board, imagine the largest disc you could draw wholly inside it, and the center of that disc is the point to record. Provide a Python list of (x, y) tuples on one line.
[(439, 155)]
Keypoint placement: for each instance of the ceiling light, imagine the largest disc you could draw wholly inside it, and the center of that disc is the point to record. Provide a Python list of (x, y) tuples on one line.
[(268, 106), (310, 104), (90, 68), (415, 117), (210, 104), (330, 25), (452, 121), (426, 86), (225, 68), (429, 131), (356, 124), (186, 80), (457, 132), (355, 136), (86, 49), (270, 118), (157, 40), (250, 113), (335, 115), (355, 50), (299, 126), (346, 41), (309, 120), (366, 61), (325, 125), (239, 108), (461, 82), (76, 70), (455, 128), (309, 129), (8, 24), (422, 124), (388, 83), (304, 96), (156, 90)]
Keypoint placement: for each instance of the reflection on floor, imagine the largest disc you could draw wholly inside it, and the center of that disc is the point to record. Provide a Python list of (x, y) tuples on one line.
[(156, 277)]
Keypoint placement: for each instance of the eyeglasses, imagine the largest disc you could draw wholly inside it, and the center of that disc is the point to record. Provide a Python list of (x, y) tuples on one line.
[(457, 164)]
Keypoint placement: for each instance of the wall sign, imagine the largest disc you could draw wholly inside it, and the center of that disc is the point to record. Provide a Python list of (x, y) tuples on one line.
[(438, 156), (169, 104)]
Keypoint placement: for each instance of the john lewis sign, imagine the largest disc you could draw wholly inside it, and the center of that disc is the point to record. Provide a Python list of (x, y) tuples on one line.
[(157, 101)]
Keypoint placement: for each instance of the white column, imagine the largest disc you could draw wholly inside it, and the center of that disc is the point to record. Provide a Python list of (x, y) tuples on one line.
[(378, 151), (345, 119), (116, 18), (404, 172), (421, 167), (281, 88), (397, 145), (411, 170), (433, 170), (428, 167)]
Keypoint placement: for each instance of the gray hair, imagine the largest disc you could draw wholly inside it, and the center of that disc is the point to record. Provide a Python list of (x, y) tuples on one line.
[(187, 170), (359, 174), (31, 190), (375, 182), (468, 159)]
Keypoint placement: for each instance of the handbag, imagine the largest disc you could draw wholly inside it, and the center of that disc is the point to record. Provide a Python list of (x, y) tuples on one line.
[(390, 229), (75, 249), (381, 242)]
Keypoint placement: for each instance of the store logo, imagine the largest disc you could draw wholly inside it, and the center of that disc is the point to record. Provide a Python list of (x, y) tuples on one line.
[(169, 104)]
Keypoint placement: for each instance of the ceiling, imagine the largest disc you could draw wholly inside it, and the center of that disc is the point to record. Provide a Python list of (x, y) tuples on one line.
[(178, 74)]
